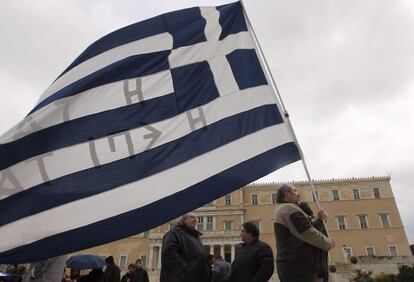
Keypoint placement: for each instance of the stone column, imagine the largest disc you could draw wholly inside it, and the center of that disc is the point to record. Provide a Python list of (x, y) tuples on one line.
[(212, 250), (150, 257), (159, 257), (233, 252), (222, 251)]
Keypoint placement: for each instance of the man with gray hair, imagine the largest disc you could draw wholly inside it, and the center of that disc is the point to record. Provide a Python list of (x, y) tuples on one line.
[(296, 238), (183, 257)]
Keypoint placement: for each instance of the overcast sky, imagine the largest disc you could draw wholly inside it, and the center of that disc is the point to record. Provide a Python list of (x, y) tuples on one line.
[(345, 70)]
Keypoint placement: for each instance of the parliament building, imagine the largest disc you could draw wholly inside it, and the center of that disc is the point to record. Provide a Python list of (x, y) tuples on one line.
[(363, 219)]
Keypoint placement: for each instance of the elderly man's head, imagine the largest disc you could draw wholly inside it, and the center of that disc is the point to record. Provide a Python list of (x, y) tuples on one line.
[(189, 220), (287, 193)]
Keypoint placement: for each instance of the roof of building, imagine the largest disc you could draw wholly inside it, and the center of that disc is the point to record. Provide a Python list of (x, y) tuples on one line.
[(322, 181)]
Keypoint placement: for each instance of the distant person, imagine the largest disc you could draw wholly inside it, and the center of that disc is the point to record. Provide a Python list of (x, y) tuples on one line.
[(112, 271), (296, 239), (46, 270), (365, 276), (254, 261), (74, 275), (183, 257), (221, 269), (140, 273), (129, 276)]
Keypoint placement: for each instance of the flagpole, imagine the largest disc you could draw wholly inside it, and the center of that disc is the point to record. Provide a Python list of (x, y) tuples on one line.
[(285, 113)]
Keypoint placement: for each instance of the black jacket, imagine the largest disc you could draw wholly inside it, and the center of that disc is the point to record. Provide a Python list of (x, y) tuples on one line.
[(253, 263), (141, 275), (183, 257), (128, 277), (112, 273), (95, 275)]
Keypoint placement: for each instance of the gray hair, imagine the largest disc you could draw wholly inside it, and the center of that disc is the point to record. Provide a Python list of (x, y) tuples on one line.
[(183, 217), (280, 195)]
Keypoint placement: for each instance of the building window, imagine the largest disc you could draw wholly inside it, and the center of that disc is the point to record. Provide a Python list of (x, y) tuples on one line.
[(384, 220), (393, 251), (356, 194), (363, 221), (171, 226), (144, 261), (347, 253), (200, 223), (228, 199), (209, 223), (370, 251), (335, 195), (123, 262), (317, 195), (205, 223), (341, 220), (257, 223), (228, 225), (146, 233), (376, 193), (254, 199), (274, 198)]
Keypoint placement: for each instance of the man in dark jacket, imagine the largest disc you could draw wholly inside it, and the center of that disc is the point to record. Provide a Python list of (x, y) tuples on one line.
[(254, 261), (140, 273), (183, 257), (112, 271), (296, 239), (130, 275)]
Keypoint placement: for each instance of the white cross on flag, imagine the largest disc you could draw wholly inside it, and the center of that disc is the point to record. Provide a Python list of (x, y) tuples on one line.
[(149, 122)]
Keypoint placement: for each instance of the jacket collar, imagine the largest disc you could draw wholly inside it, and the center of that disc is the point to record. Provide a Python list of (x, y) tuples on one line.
[(192, 232), (254, 241)]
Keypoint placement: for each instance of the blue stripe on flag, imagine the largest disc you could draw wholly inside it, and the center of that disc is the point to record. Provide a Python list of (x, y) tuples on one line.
[(194, 85), (183, 33), (246, 68), (151, 216), (231, 19), (84, 183), (134, 66), (92, 126)]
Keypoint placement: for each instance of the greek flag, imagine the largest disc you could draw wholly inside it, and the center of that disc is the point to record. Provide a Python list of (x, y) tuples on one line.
[(149, 122)]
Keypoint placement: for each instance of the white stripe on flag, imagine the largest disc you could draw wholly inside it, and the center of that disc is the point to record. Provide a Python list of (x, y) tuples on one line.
[(110, 96), (223, 76), (220, 67), (135, 195), (77, 157), (156, 43), (212, 29), (210, 49)]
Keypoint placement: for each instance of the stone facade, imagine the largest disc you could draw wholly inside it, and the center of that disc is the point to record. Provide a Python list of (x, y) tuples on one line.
[(363, 218)]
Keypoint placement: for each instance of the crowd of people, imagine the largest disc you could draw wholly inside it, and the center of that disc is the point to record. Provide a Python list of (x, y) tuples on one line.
[(112, 273), (301, 241)]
